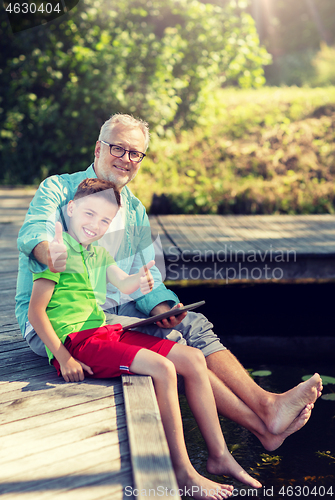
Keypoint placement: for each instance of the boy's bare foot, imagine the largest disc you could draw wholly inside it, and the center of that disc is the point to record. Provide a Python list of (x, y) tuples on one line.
[(227, 465), (272, 441), (199, 487), (280, 410)]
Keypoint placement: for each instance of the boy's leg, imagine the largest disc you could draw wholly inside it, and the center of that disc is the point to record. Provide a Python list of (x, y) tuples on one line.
[(191, 363), (164, 377)]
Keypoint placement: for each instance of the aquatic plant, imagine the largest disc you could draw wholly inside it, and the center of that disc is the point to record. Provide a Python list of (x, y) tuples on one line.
[(269, 460), (261, 373), (325, 379), (326, 454)]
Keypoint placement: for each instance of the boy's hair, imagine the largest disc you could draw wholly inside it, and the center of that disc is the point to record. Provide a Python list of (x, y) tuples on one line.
[(99, 187)]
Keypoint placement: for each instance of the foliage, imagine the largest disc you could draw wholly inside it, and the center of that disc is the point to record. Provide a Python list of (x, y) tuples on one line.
[(324, 64), (157, 59), (292, 33), (256, 151), (294, 68)]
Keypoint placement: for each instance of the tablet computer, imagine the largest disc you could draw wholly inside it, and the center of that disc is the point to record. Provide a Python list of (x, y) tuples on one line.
[(172, 312)]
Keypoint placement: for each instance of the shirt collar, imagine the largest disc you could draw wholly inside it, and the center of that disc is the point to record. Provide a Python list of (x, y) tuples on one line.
[(91, 172), (78, 247)]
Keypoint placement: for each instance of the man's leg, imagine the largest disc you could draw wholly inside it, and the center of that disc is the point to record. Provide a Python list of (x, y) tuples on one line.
[(34, 342), (234, 401), (277, 411), (232, 407)]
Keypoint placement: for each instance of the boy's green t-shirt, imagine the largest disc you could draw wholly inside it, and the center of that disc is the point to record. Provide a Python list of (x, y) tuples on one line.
[(79, 291)]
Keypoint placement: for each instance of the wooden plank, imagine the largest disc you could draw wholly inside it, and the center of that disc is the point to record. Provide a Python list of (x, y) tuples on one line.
[(100, 483), (301, 232), (158, 229), (150, 456), (61, 414), (225, 235), (46, 437), (56, 463), (178, 238), (57, 397)]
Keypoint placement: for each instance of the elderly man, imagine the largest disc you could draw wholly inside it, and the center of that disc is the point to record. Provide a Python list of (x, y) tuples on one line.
[(119, 152)]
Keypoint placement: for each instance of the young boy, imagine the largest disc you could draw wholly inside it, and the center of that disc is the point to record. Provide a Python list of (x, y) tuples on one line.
[(65, 312)]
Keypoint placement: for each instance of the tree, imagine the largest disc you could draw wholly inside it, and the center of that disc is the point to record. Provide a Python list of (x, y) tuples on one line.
[(156, 59)]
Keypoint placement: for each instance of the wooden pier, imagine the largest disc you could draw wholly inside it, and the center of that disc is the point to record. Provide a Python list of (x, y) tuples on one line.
[(252, 248), (96, 439)]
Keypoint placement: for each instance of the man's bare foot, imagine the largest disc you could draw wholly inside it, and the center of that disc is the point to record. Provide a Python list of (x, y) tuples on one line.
[(199, 487), (227, 465), (271, 442), (280, 410)]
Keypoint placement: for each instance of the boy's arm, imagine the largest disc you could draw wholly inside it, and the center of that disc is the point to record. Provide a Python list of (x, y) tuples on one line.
[(72, 370), (128, 284)]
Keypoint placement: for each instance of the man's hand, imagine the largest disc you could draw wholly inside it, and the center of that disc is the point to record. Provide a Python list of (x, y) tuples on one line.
[(170, 322), (146, 279), (73, 370), (57, 253)]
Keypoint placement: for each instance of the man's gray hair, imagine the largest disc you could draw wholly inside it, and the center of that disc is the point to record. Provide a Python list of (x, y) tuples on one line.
[(128, 121)]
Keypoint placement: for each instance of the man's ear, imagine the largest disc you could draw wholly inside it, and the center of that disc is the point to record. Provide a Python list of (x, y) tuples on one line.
[(70, 208), (97, 149)]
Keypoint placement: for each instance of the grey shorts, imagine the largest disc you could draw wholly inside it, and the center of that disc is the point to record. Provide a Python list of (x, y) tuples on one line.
[(195, 330)]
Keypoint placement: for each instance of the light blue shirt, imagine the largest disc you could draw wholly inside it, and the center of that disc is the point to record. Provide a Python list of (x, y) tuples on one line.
[(55, 193)]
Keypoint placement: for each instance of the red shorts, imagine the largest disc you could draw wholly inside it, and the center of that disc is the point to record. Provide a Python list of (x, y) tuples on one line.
[(109, 351)]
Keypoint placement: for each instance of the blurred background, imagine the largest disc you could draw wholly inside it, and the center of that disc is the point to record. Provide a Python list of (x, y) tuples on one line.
[(239, 95)]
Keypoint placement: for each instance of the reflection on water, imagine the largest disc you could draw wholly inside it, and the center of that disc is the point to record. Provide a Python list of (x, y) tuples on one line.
[(304, 466)]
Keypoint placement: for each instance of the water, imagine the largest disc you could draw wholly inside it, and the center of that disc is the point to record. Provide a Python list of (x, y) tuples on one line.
[(300, 461), (304, 466)]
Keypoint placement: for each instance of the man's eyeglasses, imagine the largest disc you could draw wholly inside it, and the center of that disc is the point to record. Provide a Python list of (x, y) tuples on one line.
[(118, 151)]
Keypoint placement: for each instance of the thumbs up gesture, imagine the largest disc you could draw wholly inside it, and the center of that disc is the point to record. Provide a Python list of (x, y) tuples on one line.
[(146, 279), (57, 253)]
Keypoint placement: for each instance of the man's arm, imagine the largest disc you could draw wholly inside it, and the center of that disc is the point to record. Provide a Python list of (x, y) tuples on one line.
[(53, 254), (139, 241), (38, 227), (72, 370)]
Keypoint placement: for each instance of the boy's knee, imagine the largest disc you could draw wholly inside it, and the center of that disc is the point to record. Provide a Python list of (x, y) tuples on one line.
[(195, 360), (166, 369)]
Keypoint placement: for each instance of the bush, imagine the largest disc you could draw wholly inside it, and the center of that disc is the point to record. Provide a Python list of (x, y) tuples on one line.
[(157, 59), (257, 152), (324, 64)]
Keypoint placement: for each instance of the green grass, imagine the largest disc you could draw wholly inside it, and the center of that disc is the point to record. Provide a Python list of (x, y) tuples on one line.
[(269, 150)]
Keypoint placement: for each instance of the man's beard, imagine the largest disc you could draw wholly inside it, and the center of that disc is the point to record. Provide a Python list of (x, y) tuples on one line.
[(119, 182)]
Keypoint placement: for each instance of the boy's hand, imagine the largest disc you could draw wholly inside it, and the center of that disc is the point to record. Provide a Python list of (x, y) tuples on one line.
[(57, 253), (73, 370), (146, 279)]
